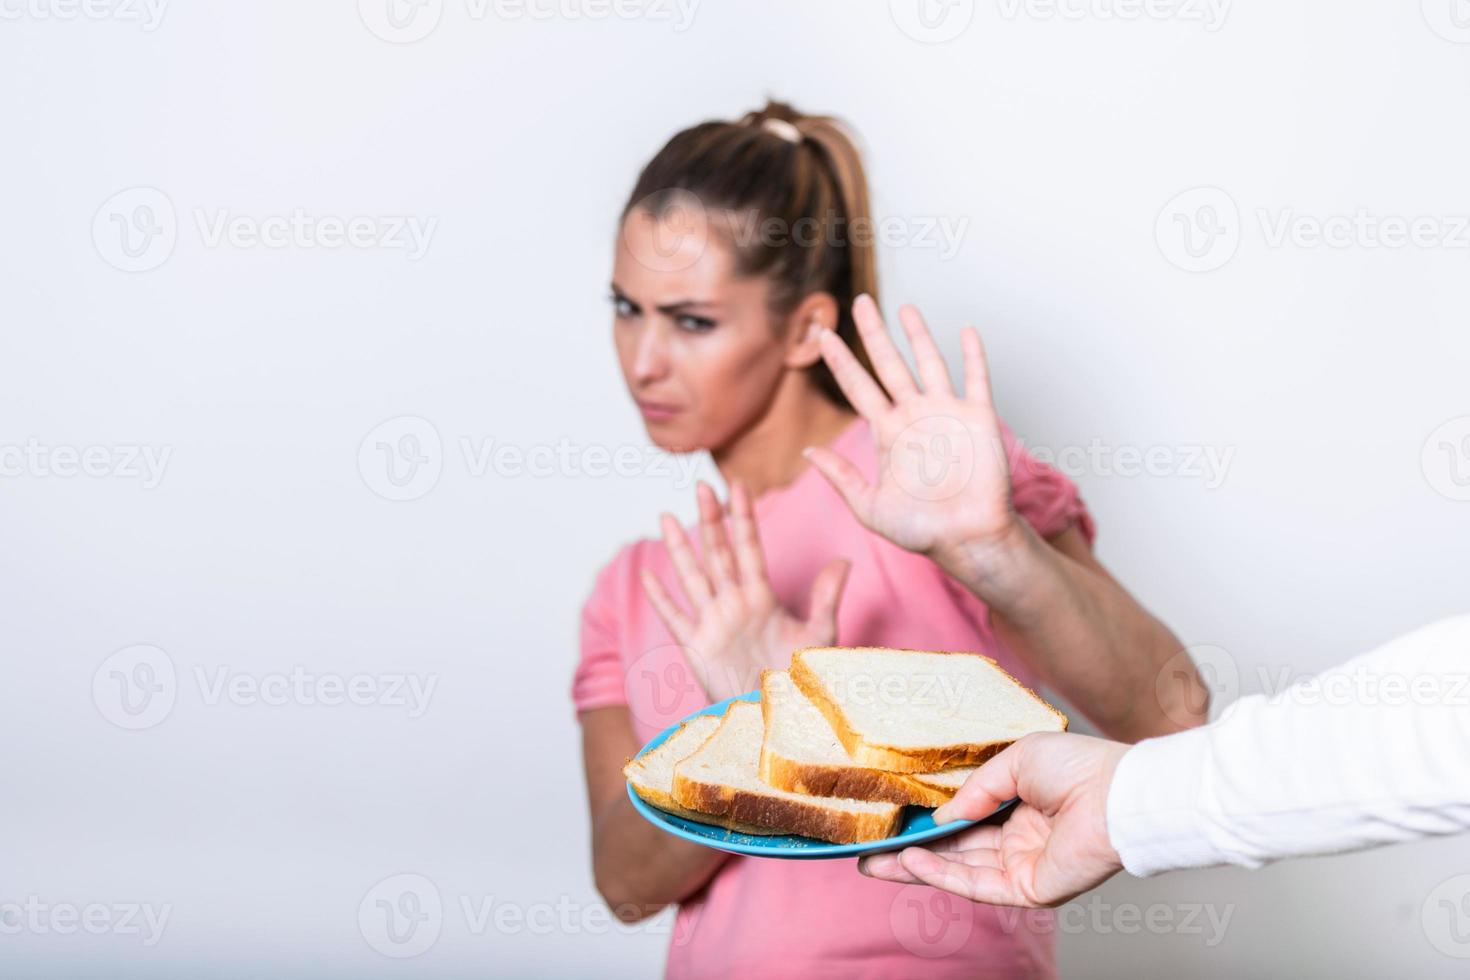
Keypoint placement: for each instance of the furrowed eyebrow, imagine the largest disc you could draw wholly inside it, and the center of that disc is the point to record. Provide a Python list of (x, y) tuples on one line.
[(687, 305), (676, 307)]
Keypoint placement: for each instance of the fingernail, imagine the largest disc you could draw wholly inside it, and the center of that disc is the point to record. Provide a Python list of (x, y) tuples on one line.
[(807, 452)]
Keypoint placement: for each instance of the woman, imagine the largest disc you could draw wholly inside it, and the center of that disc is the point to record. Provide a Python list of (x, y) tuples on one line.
[(740, 250)]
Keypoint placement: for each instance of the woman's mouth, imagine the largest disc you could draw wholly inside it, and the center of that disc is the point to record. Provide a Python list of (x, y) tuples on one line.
[(657, 411)]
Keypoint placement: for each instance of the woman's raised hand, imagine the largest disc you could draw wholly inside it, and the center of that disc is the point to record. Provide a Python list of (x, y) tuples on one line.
[(734, 626), (943, 477)]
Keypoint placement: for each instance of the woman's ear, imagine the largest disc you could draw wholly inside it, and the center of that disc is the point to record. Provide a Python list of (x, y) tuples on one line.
[(814, 314)]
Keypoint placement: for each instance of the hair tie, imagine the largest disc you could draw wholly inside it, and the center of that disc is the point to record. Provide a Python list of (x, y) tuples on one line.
[(780, 127)]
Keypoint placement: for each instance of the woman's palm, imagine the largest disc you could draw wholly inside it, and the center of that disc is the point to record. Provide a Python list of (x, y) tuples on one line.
[(943, 475)]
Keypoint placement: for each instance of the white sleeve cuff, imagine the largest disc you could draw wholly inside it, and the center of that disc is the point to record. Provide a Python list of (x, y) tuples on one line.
[(1154, 805)]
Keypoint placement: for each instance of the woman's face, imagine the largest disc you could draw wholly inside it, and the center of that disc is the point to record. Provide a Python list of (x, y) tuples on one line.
[(695, 342)]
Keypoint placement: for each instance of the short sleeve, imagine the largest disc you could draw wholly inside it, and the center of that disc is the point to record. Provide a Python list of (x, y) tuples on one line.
[(598, 679), (1044, 496)]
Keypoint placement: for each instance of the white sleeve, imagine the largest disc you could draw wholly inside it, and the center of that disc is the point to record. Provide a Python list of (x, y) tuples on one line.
[(1375, 751)]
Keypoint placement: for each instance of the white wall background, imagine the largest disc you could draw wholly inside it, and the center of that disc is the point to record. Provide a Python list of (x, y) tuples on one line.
[(1328, 373)]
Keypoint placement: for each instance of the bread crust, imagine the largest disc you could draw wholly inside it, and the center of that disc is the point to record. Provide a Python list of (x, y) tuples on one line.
[(891, 758), (848, 781), (665, 802), (784, 816)]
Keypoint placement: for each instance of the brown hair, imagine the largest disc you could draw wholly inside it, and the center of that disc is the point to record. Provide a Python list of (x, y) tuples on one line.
[(754, 167)]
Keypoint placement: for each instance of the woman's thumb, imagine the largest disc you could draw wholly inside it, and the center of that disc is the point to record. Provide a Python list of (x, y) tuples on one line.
[(826, 593)]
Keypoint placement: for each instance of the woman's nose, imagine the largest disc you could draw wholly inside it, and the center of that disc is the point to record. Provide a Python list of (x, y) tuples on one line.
[(651, 361)]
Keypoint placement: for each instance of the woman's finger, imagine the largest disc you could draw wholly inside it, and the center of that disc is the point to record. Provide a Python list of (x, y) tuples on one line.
[(716, 543), (673, 617), (854, 380), (887, 361), (691, 577), (743, 528), (932, 369), (826, 593), (845, 478), (977, 368)]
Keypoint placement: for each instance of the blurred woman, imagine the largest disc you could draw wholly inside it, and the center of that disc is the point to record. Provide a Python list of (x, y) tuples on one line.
[(742, 244)]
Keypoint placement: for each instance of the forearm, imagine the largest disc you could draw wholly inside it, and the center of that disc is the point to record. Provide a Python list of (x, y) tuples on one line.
[(1086, 636), (1376, 751), (639, 869)]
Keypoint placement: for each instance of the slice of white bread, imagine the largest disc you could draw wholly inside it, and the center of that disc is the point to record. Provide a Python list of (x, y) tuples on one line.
[(917, 712), (721, 779), (652, 774), (800, 753), (946, 781)]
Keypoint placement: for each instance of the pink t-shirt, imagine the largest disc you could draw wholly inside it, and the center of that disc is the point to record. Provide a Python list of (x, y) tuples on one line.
[(773, 918)]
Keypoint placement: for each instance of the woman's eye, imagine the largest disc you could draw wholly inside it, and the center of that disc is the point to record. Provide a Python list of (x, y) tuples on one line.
[(695, 324), (623, 307)]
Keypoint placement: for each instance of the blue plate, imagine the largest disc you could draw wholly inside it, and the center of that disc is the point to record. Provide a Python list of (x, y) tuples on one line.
[(918, 822)]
